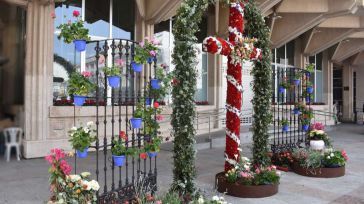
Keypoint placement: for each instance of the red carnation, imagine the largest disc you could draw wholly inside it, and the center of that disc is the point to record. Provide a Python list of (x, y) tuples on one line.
[(143, 155), (156, 104), (123, 136), (76, 13)]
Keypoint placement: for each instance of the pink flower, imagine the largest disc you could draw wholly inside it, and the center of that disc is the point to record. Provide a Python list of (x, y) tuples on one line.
[(69, 22), (257, 171), (244, 174), (147, 38), (120, 62), (141, 44), (318, 126), (152, 53), (159, 117), (158, 202), (53, 15), (59, 154), (343, 153), (101, 59), (86, 74), (49, 159), (65, 167), (76, 13)]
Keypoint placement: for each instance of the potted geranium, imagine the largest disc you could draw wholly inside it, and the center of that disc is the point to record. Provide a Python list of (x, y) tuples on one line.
[(152, 147), (297, 78), (120, 151), (113, 75), (80, 86), (310, 68), (333, 158), (318, 139), (74, 32), (145, 52), (137, 119), (81, 139), (285, 125), (297, 110), (309, 87), (284, 85)]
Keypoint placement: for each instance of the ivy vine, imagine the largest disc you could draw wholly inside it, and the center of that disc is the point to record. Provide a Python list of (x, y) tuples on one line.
[(262, 84), (184, 56)]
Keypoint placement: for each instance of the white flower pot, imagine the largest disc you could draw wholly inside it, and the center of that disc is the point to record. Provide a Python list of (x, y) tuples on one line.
[(317, 144)]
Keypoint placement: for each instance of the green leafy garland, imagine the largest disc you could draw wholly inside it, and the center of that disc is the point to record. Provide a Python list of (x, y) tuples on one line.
[(188, 18), (255, 27)]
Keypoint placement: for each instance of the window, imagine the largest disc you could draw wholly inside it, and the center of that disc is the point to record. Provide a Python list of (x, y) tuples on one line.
[(109, 19), (317, 77)]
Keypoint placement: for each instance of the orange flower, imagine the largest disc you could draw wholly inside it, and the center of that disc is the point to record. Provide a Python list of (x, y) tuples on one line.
[(78, 191), (70, 185)]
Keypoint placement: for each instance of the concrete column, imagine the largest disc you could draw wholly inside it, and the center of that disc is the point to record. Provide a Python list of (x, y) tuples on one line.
[(327, 69), (38, 78), (347, 93)]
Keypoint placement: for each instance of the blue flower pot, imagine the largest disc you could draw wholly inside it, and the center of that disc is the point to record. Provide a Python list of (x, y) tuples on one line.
[(114, 81), (150, 60), (155, 84), (309, 90), (137, 67), (136, 122), (296, 82), (79, 100), (80, 45), (148, 101), (308, 99), (296, 111), (285, 128), (81, 154), (305, 127), (118, 160), (308, 74), (152, 154), (281, 89)]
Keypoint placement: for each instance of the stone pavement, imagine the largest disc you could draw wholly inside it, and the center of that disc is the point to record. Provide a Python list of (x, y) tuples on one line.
[(27, 181)]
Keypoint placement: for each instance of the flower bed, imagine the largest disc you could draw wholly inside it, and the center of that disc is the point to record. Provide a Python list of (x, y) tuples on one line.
[(322, 172), (244, 191)]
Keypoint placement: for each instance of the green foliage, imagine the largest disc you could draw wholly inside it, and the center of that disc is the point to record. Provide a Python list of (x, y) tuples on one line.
[(139, 111), (79, 85), (231, 176), (73, 31), (82, 137), (184, 57), (153, 145), (143, 50), (118, 148), (262, 85), (284, 122), (310, 68), (298, 75), (112, 71), (285, 84), (266, 177), (307, 158), (332, 157)]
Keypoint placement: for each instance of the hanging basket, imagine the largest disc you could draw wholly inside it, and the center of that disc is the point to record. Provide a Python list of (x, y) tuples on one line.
[(114, 81), (155, 84), (137, 67), (82, 154), (118, 160), (80, 45), (136, 122), (152, 154), (79, 100)]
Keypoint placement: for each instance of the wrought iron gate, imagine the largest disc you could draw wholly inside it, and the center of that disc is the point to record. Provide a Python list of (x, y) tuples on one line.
[(113, 111), (292, 96)]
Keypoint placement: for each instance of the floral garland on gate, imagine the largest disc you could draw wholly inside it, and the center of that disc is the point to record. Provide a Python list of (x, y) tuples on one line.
[(189, 16)]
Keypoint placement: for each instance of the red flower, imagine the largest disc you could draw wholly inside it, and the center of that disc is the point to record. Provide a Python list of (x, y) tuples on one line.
[(143, 155), (343, 153), (76, 13), (53, 15), (175, 81), (123, 135), (149, 198), (156, 104)]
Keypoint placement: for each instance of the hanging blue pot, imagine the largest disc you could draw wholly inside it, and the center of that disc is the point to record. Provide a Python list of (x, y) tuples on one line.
[(114, 81), (281, 89), (152, 154), (150, 60), (296, 111), (285, 128), (305, 127), (118, 160), (137, 67), (79, 100), (308, 99), (155, 84), (308, 74), (296, 82), (148, 101), (136, 122), (82, 154), (80, 45), (309, 90)]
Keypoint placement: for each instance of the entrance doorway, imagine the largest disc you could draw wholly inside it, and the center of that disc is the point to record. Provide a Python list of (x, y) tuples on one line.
[(12, 57)]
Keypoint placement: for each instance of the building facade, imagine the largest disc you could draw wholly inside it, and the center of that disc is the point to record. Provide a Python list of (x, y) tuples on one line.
[(327, 33)]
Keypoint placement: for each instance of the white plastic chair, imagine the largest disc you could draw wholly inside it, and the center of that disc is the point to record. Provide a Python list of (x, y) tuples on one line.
[(13, 138)]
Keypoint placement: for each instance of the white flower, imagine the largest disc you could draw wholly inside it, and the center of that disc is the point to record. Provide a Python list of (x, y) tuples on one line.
[(278, 173), (200, 200), (86, 130), (85, 174), (75, 178), (332, 154), (328, 157), (320, 132), (239, 149), (74, 128), (87, 184), (215, 198), (236, 156), (90, 123), (94, 185), (246, 167)]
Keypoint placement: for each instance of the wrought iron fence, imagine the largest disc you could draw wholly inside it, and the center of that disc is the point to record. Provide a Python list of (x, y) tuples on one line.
[(113, 109), (291, 89)]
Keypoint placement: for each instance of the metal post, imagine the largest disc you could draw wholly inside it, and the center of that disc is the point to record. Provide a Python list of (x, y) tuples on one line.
[(210, 132)]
